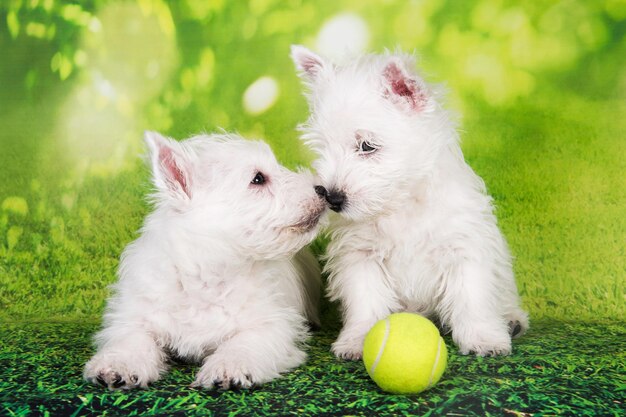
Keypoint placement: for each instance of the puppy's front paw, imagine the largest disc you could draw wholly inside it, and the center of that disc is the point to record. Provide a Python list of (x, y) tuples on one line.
[(115, 374), (518, 323), (348, 347), (114, 380), (492, 344), (487, 350), (223, 373)]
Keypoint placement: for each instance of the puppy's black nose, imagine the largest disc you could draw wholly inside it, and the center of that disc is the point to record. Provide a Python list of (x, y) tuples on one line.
[(321, 191), (335, 200)]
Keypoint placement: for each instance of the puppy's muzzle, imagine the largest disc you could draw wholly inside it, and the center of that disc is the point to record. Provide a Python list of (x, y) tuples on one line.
[(336, 200)]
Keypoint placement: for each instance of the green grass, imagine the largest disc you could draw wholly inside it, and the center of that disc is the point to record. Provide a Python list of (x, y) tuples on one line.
[(557, 369), (542, 122), (557, 177)]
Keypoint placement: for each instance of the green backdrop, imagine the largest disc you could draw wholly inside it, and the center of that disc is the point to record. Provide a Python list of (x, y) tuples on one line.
[(539, 88)]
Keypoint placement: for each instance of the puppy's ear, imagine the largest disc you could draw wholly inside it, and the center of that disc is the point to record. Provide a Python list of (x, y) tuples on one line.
[(402, 87), (170, 164), (309, 64)]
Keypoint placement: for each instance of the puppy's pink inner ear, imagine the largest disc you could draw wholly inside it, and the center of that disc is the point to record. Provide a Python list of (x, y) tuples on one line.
[(403, 87), (173, 173), (310, 65)]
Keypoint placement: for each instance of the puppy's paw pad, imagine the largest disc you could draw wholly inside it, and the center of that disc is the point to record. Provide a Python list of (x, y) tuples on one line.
[(515, 328)]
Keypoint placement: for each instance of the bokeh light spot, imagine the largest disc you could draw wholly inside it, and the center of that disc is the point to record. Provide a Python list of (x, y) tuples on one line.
[(343, 36), (260, 95), (119, 74)]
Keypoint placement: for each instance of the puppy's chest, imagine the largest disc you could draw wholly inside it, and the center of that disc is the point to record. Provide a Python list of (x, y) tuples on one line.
[(404, 248), (211, 294), (196, 303), (403, 238)]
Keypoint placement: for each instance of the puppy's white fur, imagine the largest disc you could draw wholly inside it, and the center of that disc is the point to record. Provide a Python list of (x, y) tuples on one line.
[(218, 274), (416, 231)]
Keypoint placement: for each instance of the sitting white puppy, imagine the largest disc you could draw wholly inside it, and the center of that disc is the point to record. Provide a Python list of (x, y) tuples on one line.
[(218, 274), (417, 230)]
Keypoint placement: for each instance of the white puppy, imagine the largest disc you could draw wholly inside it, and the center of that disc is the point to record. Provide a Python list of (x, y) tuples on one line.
[(416, 230), (218, 274)]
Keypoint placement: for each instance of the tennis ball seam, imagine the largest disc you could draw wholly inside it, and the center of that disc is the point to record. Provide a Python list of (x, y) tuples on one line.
[(432, 372), (382, 346)]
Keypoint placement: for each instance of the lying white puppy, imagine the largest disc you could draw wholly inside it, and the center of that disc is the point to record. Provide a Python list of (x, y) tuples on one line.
[(218, 274)]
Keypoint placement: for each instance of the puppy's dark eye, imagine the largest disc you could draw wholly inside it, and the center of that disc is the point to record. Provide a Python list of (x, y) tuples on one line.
[(259, 179), (367, 148), (365, 142)]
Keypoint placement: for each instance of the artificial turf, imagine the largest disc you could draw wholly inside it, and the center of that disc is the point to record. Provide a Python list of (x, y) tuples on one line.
[(558, 368), (72, 187)]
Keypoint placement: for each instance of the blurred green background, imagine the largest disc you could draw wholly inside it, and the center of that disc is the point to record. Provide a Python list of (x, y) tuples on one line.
[(539, 87)]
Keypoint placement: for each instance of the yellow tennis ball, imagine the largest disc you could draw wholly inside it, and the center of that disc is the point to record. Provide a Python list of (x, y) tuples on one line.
[(404, 353)]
